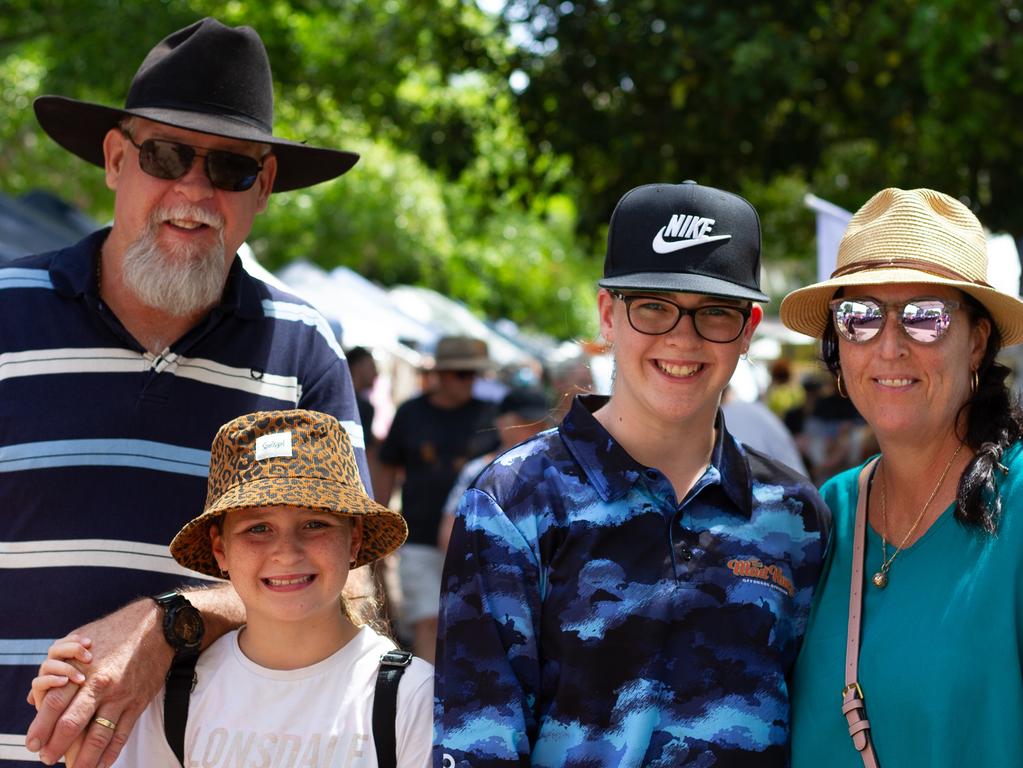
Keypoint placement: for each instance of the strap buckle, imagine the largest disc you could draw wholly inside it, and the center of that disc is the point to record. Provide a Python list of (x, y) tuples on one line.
[(396, 659), (853, 686)]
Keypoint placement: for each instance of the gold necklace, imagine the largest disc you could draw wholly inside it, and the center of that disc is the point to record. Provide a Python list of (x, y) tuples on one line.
[(880, 578)]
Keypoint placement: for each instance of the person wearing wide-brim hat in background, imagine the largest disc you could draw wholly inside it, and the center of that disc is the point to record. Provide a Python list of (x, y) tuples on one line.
[(131, 348), (286, 518), (630, 589), (911, 330), (431, 438)]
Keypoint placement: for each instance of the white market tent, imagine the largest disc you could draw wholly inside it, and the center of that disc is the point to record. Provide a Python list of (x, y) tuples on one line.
[(367, 314), (453, 318)]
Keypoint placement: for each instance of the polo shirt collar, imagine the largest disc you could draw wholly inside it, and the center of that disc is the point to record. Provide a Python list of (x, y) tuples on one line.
[(730, 459), (612, 471), (241, 293), (73, 269), (608, 467), (73, 273)]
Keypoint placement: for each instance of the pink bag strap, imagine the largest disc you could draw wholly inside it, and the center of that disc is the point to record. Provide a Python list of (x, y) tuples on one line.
[(853, 705)]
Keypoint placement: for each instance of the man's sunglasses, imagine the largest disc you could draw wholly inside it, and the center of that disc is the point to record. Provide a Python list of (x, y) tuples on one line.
[(925, 320), (171, 160)]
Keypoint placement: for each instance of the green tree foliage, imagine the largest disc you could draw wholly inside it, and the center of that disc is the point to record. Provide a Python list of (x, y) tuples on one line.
[(448, 193), (768, 98), (501, 197)]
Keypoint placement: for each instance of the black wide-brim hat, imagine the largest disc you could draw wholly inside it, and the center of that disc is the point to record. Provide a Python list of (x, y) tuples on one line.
[(686, 238), (207, 77)]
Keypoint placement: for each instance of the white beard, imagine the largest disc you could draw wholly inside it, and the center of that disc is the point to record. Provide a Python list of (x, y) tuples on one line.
[(180, 280)]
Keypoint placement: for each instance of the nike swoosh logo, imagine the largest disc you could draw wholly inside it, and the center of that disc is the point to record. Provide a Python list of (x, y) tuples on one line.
[(662, 246)]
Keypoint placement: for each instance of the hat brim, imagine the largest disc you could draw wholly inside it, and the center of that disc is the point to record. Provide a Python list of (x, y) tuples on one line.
[(80, 126), (383, 529), (806, 310), (683, 283)]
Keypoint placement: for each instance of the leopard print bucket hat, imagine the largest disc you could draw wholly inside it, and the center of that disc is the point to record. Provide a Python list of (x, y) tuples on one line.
[(298, 458)]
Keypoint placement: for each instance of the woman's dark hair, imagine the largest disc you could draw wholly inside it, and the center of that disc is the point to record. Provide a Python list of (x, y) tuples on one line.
[(992, 417)]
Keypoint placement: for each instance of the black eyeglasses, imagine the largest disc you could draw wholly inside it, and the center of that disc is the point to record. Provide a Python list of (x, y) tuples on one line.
[(925, 320), (655, 316), (171, 160)]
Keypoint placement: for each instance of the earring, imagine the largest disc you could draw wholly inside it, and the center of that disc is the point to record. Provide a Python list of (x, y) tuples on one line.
[(974, 383), (839, 387), (224, 574)]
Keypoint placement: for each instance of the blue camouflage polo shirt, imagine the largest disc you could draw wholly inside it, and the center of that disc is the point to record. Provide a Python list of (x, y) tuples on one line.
[(589, 618)]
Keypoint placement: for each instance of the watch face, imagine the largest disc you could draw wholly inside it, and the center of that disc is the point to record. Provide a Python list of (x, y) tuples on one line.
[(188, 626)]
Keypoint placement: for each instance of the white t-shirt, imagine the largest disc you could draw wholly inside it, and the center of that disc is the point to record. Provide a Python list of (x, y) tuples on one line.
[(244, 715)]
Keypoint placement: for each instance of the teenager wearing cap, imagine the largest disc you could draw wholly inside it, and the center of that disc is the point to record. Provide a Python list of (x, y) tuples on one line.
[(122, 355), (919, 622), (631, 588), (286, 518), (430, 440)]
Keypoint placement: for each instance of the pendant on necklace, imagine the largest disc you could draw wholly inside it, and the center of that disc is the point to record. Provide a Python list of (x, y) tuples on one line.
[(880, 579)]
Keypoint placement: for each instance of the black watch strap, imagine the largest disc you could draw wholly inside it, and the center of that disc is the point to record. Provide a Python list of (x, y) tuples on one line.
[(183, 626)]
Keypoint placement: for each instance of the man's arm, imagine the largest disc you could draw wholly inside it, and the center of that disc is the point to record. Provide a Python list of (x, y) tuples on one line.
[(130, 660), (387, 475)]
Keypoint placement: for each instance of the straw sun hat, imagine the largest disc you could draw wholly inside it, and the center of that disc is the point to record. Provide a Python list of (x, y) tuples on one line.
[(908, 236), (296, 458)]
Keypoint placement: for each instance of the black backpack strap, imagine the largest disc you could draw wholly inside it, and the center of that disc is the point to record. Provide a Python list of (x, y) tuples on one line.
[(177, 693), (385, 706)]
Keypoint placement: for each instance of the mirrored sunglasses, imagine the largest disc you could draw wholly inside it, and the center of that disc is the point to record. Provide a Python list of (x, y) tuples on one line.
[(925, 320), (171, 160)]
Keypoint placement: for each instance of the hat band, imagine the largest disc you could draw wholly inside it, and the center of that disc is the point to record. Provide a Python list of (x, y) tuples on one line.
[(914, 264)]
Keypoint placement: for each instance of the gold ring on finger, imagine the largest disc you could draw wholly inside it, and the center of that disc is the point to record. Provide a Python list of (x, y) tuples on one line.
[(105, 723)]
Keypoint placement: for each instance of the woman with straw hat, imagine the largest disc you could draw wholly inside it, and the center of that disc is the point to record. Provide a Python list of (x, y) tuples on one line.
[(920, 618)]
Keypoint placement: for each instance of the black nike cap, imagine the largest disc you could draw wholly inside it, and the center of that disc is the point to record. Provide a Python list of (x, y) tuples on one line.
[(687, 238)]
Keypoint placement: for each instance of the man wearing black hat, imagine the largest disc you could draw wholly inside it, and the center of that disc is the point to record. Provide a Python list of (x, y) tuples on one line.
[(631, 589), (120, 358)]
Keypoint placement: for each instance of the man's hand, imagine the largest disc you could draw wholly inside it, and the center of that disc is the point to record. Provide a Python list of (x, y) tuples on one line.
[(130, 662)]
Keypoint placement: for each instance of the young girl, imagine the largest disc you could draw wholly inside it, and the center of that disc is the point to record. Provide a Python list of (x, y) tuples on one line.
[(286, 517)]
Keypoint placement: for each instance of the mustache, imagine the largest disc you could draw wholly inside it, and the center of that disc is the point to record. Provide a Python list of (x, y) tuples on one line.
[(186, 212)]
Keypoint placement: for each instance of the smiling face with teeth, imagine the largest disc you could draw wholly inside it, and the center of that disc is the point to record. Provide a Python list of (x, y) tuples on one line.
[(288, 565), (186, 218), (674, 379), (905, 389)]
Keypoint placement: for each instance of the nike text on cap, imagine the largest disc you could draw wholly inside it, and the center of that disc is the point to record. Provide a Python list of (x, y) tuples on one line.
[(687, 238)]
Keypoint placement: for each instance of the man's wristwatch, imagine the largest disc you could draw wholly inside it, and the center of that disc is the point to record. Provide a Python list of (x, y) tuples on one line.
[(182, 624)]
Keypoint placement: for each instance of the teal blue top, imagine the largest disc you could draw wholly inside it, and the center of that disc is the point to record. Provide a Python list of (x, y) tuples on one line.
[(942, 644)]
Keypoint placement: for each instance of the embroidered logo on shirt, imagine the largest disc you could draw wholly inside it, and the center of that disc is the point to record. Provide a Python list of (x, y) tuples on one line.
[(754, 571)]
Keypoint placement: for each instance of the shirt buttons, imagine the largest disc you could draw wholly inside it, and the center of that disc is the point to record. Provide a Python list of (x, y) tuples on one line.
[(686, 553), (652, 474)]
